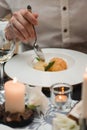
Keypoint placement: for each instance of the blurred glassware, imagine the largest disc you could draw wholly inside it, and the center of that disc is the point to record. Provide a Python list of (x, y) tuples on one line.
[(7, 49)]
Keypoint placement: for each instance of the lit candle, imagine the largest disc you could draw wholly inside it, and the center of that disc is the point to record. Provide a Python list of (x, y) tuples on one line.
[(14, 96), (84, 96), (61, 98)]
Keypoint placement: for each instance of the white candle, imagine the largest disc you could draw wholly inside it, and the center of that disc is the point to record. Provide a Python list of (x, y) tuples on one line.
[(14, 96), (84, 96)]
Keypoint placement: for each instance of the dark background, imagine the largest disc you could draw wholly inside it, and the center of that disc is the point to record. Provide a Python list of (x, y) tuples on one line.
[(76, 93)]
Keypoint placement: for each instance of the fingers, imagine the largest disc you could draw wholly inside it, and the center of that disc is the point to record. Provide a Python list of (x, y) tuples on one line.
[(29, 16), (22, 22)]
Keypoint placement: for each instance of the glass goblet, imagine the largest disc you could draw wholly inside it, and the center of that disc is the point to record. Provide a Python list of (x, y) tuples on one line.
[(6, 52)]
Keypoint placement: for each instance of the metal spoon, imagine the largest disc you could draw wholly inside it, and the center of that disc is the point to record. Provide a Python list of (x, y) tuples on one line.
[(37, 48)]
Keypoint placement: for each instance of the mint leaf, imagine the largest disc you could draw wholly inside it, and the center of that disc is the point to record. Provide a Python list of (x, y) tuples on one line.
[(49, 65), (31, 107)]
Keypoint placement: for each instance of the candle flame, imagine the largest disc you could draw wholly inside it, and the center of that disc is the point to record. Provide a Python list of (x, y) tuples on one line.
[(62, 90), (60, 97), (14, 80)]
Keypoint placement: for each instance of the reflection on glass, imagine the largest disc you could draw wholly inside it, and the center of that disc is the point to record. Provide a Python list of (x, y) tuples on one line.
[(6, 52)]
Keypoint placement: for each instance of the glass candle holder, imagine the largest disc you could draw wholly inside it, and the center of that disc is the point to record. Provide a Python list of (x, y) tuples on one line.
[(61, 96)]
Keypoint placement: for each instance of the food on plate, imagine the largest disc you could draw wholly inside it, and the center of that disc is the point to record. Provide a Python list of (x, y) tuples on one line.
[(76, 112), (59, 64), (55, 64), (40, 65), (62, 122)]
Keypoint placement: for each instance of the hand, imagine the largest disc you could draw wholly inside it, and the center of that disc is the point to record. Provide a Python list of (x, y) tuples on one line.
[(22, 22)]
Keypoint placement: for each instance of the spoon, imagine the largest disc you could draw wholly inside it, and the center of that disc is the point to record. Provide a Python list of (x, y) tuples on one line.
[(37, 48)]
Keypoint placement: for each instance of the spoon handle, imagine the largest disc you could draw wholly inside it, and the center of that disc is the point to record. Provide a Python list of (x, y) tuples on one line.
[(37, 49)]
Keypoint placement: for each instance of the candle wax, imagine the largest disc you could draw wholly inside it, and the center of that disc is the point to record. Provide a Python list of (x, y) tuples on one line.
[(14, 96), (84, 97)]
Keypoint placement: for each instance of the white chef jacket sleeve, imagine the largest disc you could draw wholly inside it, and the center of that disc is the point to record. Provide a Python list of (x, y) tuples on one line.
[(4, 8)]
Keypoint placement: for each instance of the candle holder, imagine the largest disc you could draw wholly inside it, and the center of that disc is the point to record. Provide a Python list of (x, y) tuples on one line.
[(61, 96), (16, 119)]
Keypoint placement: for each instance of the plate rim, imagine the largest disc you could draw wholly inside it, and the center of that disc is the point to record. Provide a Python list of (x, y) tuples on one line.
[(47, 73)]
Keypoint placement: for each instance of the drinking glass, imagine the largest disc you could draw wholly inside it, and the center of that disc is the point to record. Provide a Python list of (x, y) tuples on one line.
[(6, 52)]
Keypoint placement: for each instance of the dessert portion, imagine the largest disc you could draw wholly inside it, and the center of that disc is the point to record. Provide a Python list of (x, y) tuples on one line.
[(75, 112), (62, 122), (16, 119), (55, 64), (40, 65)]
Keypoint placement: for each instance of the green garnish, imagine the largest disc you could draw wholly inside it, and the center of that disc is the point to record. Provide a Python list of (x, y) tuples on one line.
[(31, 107), (72, 127), (39, 59), (49, 65)]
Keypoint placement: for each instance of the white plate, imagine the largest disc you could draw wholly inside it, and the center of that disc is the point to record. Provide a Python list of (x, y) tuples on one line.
[(20, 66)]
